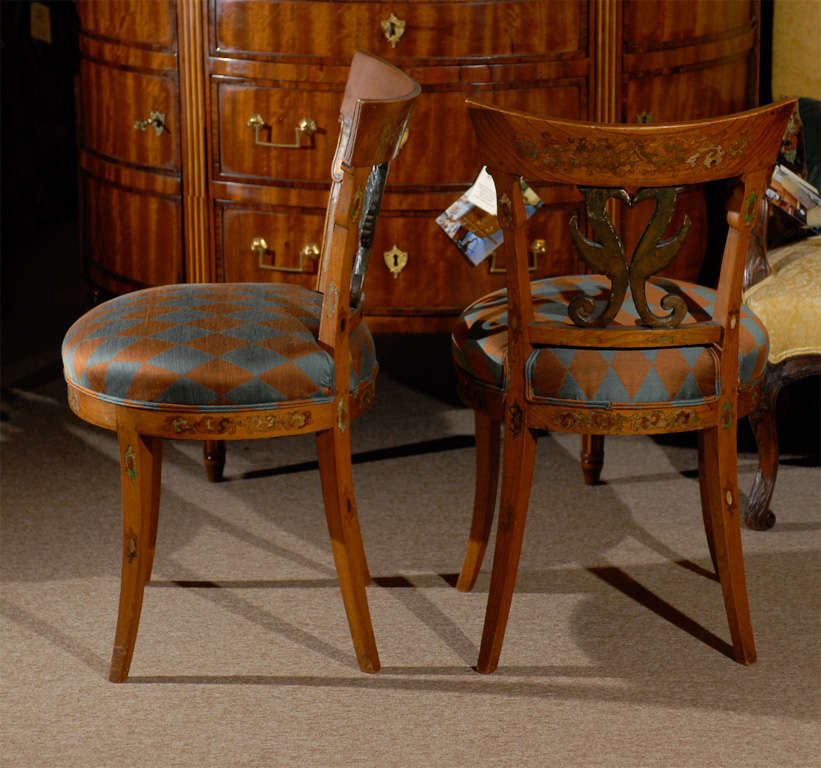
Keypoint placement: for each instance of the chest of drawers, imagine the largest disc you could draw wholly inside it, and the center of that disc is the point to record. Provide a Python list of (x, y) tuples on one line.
[(207, 127)]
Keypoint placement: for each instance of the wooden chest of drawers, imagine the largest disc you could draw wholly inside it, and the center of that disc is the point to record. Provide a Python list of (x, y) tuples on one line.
[(208, 126)]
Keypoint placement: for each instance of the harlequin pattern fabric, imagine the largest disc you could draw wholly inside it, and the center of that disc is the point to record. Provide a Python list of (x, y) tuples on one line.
[(788, 300), (604, 377), (210, 347)]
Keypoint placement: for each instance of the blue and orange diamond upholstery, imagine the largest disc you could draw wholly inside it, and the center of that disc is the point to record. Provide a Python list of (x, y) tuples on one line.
[(210, 347), (604, 377)]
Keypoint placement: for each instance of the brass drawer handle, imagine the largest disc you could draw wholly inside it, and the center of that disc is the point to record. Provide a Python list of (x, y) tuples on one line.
[(155, 120), (393, 28), (395, 260), (309, 252), (305, 127), (537, 248)]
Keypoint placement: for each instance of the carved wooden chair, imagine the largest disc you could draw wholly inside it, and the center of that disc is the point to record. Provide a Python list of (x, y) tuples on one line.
[(783, 288), (621, 352), (251, 360)]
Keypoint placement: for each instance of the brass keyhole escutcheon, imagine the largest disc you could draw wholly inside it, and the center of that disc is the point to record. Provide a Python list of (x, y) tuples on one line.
[(393, 28), (396, 260)]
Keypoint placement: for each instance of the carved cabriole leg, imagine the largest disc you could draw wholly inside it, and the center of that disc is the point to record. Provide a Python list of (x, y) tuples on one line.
[(140, 469), (719, 494), (517, 476), (334, 452), (592, 457), (213, 452), (763, 424), (488, 443)]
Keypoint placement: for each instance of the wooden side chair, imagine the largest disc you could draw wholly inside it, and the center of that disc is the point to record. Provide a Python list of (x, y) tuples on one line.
[(254, 360), (618, 351), (784, 291)]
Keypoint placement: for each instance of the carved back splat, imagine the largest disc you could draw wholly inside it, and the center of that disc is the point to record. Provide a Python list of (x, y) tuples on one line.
[(607, 256)]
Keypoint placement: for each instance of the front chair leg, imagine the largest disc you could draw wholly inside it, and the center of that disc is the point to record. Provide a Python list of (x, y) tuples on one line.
[(334, 452), (718, 471), (517, 476), (140, 469), (488, 443)]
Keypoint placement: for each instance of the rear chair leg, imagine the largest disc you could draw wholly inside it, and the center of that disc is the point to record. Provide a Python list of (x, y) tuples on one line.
[(334, 451), (484, 499)]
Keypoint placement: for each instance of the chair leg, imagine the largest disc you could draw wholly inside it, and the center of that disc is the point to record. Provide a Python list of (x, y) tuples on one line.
[(763, 424), (213, 452), (718, 475), (488, 443), (141, 469), (592, 458), (334, 452), (517, 477)]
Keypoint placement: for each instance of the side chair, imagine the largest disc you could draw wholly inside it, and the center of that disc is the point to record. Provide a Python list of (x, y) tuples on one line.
[(783, 288), (616, 351), (214, 362)]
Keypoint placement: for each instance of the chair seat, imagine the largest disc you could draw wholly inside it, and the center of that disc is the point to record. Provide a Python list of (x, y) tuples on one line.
[(601, 377), (210, 346), (788, 300)]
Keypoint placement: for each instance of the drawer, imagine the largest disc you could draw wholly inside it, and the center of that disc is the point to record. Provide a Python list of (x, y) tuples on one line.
[(438, 278), (432, 30), (439, 119), (710, 89), (132, 238), (653, 24), (131, 21), (287, 233), (114, 100), (244, 152)]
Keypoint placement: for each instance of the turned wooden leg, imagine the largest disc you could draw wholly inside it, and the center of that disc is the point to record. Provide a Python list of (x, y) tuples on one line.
[(592, 457), (718, 462), (517, 476), (214, 456), (140, 464), (488, 443), (763, 423), (334, 451)]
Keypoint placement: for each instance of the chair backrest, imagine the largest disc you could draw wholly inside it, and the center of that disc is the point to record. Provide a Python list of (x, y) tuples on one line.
[(627, 163), (375, 110)]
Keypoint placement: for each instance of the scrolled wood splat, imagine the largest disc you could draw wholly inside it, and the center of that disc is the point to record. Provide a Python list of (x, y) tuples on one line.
[(607, 256), (374, 190)]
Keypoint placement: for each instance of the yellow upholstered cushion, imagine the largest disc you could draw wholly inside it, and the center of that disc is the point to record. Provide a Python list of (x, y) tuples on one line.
[(788, 300)]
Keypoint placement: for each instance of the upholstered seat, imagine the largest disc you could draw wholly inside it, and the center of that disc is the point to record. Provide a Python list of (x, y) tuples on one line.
[(788, 300), (600, 377), (211, 347)]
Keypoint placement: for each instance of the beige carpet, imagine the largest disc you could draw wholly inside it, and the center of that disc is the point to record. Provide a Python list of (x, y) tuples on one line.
[(615, 653)]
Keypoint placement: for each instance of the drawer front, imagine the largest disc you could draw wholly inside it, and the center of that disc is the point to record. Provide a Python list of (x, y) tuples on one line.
[(709, 90), (413, 30), (440, 123), (137, 236), (438, 278), (244, 152), (114, 100), (286, 233), (439, 120), (131, 21), (655, 24)]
